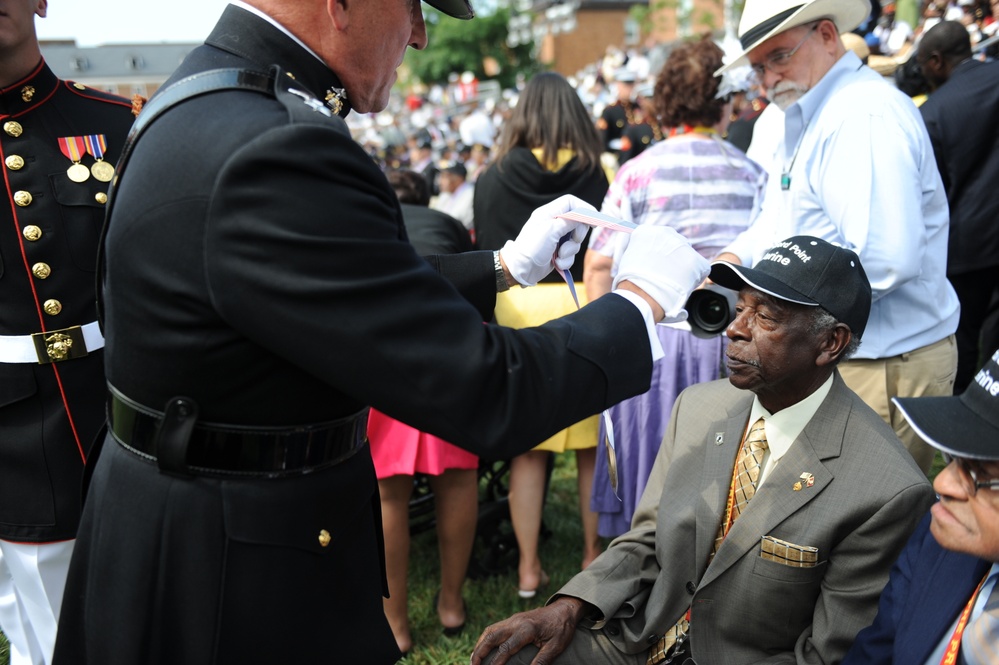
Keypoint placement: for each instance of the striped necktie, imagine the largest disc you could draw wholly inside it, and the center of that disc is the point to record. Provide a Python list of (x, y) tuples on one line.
[(746, 477)]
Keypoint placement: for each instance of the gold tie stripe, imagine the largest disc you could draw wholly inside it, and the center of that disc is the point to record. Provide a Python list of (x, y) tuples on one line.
[(745, 478)]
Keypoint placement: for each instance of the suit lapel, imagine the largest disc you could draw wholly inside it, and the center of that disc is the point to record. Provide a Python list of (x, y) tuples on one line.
[(777, 500), (724, 438), (940, 597)]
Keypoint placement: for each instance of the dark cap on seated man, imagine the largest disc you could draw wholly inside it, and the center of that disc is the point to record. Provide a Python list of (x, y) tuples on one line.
[(808, 271), (942, 601), (774, 510)]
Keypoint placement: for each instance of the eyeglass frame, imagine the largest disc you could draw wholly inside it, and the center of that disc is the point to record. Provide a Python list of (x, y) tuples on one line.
[(781, 60), (967, 473)]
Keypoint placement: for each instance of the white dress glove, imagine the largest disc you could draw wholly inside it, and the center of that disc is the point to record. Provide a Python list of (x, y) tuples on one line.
[(662, 263), (532, 255)]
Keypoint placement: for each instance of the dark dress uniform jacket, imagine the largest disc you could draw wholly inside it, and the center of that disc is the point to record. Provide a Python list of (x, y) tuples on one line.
[(49, 413), (258, 264)]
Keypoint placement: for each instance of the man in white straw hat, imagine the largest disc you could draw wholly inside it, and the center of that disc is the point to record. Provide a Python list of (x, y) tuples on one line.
[(856, 167)]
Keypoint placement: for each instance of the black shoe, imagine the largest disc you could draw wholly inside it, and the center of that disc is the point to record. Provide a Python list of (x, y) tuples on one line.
[(452, 631)]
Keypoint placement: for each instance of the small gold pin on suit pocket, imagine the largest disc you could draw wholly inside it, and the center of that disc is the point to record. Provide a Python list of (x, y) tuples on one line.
[(788, 554)]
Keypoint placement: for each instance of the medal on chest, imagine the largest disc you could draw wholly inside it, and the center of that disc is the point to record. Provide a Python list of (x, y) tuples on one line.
[(97, 146), (73, 148)]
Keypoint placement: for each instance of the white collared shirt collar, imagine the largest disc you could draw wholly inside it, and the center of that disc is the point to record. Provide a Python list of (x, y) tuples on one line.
[(783, 427), (254, 10), (800, 113)]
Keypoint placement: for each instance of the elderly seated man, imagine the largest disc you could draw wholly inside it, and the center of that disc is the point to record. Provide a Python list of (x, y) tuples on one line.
[(775, 508), (941, 604)]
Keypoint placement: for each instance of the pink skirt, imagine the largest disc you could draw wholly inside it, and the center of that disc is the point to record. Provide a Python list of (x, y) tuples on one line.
[(400, 450)]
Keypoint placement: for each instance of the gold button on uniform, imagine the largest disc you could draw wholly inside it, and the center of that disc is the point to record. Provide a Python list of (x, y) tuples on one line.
[(324, 538), (41, 270), (79, 86), (31, 233), (13, 128), (14, 162), (101, 197), (52, 307), (22, 198)]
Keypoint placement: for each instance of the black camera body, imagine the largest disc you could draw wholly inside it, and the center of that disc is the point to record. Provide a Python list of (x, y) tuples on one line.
[(710, 309)]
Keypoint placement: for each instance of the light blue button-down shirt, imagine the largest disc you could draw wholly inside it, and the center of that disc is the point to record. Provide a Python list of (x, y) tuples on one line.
[(862, 175)]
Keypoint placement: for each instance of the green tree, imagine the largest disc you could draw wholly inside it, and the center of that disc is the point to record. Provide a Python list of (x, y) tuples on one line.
[(459, 46), (660, 13)]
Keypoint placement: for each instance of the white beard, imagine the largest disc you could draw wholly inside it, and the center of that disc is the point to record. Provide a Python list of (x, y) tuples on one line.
[(786, 93)]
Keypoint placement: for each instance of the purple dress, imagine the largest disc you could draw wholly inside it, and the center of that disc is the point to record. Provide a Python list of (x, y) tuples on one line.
[(708, 191)]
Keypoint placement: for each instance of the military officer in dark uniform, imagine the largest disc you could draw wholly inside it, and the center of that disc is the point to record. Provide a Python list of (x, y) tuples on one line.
[(620, 113), (59, 142), (259, 294)]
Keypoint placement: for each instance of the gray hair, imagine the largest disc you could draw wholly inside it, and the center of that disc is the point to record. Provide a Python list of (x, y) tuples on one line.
[(823, 322)]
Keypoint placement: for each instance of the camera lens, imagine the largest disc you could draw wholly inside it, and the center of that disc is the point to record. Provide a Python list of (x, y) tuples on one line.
[(709, 310)]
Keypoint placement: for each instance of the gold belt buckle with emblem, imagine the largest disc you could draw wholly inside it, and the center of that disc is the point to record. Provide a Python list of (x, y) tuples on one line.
[(58, 345)]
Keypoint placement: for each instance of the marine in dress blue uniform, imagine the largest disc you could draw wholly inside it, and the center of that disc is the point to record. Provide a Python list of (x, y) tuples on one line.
[(51, 360)]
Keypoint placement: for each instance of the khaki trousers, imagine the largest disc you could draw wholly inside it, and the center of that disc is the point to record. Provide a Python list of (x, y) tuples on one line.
[(928, 371)]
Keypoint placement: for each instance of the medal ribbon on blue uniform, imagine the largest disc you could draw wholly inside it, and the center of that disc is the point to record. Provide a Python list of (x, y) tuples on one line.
[(73, 148), (96, 146), (590, 218)]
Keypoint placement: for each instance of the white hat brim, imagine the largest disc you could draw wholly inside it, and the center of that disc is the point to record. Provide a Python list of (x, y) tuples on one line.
[(846, 14)]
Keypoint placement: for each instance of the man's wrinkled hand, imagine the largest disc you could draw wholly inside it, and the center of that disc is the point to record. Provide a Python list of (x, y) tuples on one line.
[(549, 628)]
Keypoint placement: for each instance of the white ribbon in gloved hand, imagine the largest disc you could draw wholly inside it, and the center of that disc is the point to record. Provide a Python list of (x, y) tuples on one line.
[(533, 255), (662, 263)]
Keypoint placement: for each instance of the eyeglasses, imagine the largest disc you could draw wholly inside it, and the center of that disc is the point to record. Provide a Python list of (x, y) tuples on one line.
[(778, 62), (969, 471)]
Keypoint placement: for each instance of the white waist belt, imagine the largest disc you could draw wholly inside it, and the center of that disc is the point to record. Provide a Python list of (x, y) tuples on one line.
[(52, 346)]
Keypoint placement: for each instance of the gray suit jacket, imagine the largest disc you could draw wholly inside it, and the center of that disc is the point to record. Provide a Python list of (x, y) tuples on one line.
[(867, 498)]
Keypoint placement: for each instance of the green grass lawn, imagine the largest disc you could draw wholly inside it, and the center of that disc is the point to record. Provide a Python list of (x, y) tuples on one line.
[(492, 598)]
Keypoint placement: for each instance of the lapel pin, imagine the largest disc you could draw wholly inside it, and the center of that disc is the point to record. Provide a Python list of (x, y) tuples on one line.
[(719, 438), (805, 477)]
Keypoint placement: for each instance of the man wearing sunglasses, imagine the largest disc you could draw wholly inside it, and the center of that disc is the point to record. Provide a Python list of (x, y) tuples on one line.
[(856, 167), (941, 604)]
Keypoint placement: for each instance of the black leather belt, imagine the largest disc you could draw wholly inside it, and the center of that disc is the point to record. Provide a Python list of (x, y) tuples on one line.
[(216, 449)]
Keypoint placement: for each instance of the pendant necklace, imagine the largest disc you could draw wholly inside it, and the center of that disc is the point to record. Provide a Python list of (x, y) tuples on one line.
[(785, 177)]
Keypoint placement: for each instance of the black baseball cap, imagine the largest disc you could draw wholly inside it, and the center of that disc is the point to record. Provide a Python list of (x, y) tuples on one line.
[(808, 271), (453, 8), (963, 426)]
